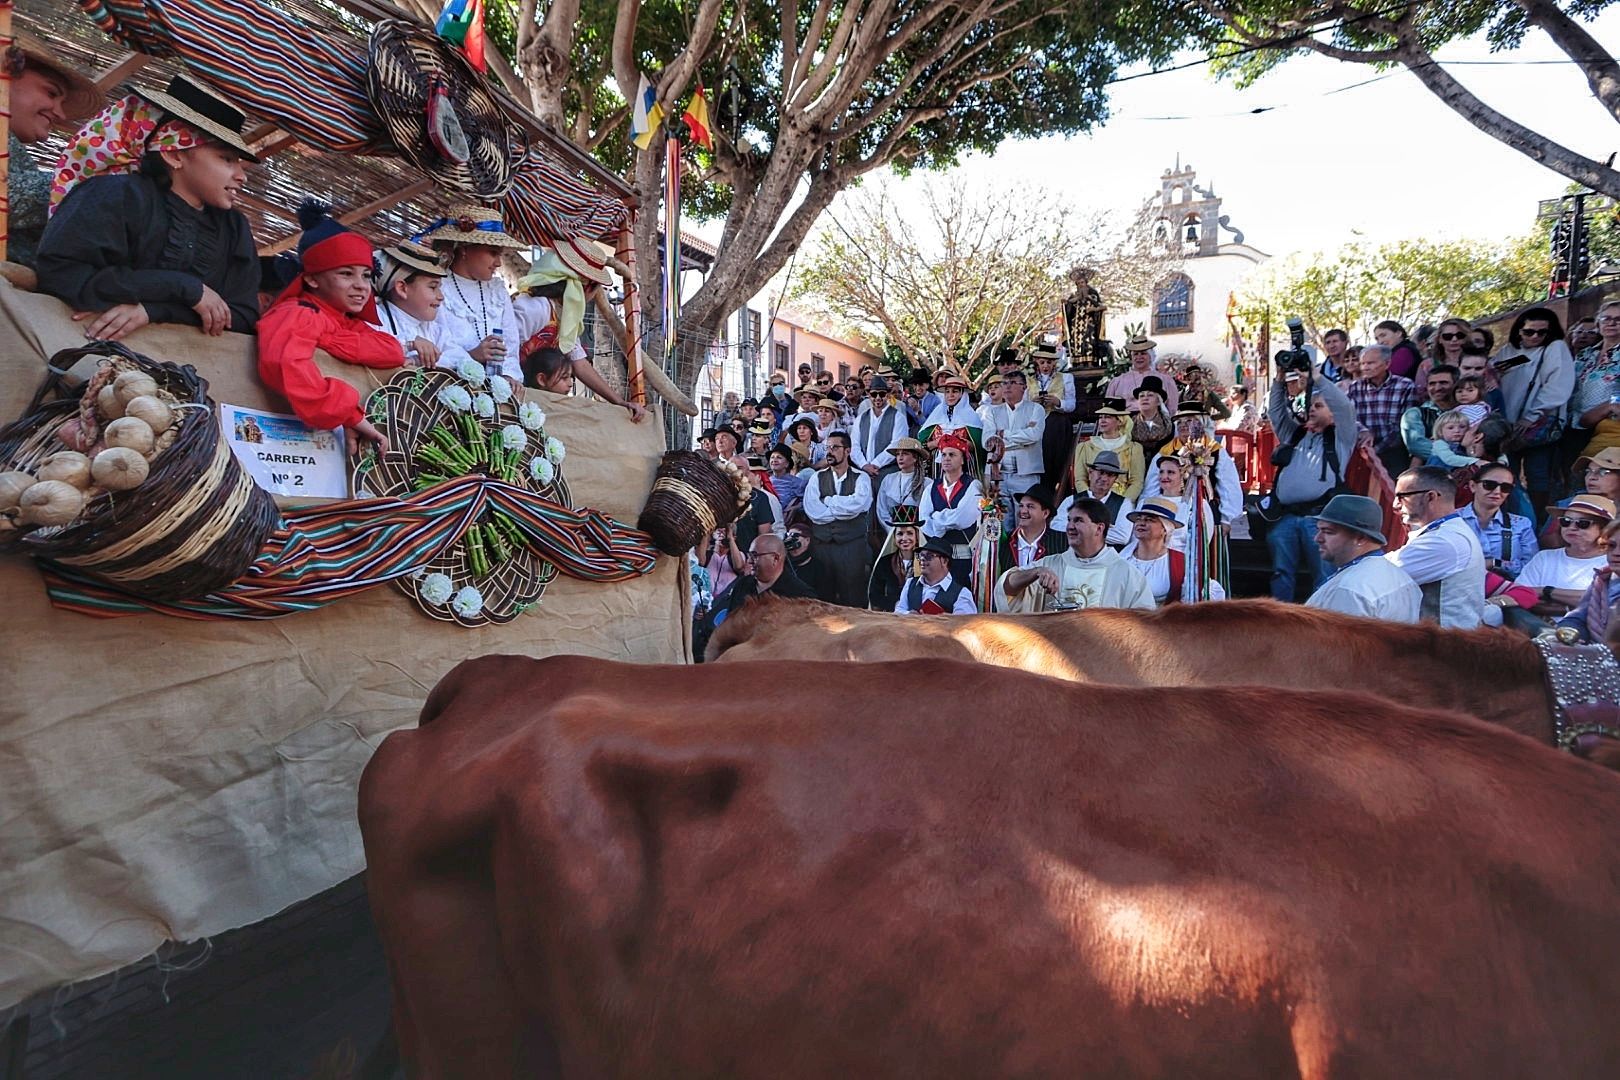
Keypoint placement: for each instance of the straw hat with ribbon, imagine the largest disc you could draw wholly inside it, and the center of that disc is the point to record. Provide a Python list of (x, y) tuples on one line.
[(469, 224), (950, 377), (83, 98), (404, 259)]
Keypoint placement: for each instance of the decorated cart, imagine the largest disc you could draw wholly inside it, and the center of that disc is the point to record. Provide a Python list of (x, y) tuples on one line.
[(200, 673)]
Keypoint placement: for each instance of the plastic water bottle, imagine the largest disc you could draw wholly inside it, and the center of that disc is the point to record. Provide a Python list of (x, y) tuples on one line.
[(492, 368)]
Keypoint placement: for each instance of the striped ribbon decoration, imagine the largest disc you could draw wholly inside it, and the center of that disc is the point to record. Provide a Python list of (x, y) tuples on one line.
[(324, 553), (311, 82)]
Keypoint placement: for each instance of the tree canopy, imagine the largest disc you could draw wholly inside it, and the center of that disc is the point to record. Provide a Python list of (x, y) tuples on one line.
[(1250, 37)]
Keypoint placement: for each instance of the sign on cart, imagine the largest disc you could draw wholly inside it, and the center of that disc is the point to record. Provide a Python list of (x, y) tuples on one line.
[(288, 458)]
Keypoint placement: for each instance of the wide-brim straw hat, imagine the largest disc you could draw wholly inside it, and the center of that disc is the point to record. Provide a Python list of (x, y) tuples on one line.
[(1114, 406), (189, 100), (463, 140), (1157, 506), (476, 226), (1607, 458), (827, 403), (907, 443), (949, 377), (418, 257), (1598, 505), (1140, 344), (84, 98)]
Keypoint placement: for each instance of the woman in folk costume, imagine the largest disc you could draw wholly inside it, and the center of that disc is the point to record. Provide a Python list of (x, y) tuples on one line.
[(474, 238), (949, 509), (550, 312), (1173, 474), (1114, 427), (1151, 427), (904, 486), (144, 226), (45, 92), (896, 562), (1153, 555), (1213, 480), (954, 415), (803, 435)]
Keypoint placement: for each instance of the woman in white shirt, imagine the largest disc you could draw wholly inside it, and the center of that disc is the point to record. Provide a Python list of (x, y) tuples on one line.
[(1563, 575)]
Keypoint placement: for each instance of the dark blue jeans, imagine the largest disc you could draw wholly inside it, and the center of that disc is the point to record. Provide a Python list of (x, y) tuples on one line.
[(1292, 540)]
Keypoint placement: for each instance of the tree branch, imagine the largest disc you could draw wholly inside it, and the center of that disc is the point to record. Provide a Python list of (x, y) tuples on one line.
[(1602, 73)]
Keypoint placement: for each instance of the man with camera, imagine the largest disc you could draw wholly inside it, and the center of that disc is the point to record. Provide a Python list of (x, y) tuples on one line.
[(1310, 458)]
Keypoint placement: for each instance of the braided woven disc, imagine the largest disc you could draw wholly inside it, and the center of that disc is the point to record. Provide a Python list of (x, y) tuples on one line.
[(406, 409)]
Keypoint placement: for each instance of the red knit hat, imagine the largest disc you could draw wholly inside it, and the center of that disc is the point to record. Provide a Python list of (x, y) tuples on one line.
[(327, 245)]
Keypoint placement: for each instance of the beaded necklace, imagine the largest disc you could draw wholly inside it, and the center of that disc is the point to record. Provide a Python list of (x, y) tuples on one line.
[(483, 312)]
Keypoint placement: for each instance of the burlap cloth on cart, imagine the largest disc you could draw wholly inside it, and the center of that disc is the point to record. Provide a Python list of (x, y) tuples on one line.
[(165, 779)]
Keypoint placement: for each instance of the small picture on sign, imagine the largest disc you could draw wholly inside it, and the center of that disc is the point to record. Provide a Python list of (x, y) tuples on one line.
[(288, 458)]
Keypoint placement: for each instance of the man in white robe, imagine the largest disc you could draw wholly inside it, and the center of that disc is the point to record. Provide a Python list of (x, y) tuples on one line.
[(1089, 575)]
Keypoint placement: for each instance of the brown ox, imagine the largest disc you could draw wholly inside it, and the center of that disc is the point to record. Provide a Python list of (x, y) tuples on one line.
[(1496, 675), (584, 868)]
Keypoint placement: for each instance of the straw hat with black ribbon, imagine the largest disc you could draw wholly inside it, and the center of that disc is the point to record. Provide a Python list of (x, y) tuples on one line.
[(439, 111), (83, 98), (478, 226), (190, 101), (399, 261)]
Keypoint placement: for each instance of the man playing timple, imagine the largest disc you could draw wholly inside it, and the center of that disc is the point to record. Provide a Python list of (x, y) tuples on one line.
[(936, 592), (1348, 536), (1442, 554), (1418, 421), (1090, 574)]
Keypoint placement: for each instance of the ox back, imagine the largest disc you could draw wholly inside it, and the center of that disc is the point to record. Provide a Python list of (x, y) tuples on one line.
[(584, 868)]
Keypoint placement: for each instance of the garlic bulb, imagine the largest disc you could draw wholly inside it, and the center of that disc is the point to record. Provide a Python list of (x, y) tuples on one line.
[(153, 410), (108, 405), (119, 468), (68, 466), (130, 432), (133, 384), (12, 485), (50, 502)]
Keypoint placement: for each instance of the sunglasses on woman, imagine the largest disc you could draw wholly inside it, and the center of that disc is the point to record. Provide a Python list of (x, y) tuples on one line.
[(1496, 485), (1578, 523), (1452, 337)]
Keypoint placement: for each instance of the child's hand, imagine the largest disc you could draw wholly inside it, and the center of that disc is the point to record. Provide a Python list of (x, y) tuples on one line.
[(427, 353), (365, 432)]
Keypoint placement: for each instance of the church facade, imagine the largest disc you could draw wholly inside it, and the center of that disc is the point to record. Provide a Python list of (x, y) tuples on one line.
[(1187, 316)]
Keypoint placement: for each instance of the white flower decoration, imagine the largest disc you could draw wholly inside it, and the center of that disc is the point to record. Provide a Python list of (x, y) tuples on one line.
[(455, 398), (501, 390), (468, 602), (471, 371), (541, 471), (513, 437), (436, 588), (484, 406), (555, 450), (531, 416)]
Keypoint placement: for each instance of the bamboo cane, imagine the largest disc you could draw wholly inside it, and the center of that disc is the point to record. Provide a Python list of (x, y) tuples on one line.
[(6, 41)]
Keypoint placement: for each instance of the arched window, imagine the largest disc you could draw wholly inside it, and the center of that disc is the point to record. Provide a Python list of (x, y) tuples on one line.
[(1172, 305)]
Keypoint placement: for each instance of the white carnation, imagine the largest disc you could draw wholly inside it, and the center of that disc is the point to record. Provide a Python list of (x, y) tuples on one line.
[(468, 602), (471, 371), (555, 450), (531, 416), (484, 406), (501, 390), (541, 471), (513, 437), (436, 588), (455, 398)]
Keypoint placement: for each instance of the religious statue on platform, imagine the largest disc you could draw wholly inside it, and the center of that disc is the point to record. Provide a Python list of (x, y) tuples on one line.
[(1083, 320)]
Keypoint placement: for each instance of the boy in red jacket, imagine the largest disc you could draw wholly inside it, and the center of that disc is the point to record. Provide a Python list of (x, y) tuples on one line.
[(328, 306)]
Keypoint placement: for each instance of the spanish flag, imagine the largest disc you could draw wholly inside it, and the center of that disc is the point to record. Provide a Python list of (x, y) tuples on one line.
[(696, 119)]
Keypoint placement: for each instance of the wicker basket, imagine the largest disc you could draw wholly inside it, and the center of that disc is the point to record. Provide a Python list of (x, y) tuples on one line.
[(690, 497), (195, 525)]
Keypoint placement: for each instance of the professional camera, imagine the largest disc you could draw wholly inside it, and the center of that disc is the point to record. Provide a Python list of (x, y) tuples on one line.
[(1294, 358)]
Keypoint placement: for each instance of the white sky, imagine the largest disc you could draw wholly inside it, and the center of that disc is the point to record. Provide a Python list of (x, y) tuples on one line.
[(1387, 159)]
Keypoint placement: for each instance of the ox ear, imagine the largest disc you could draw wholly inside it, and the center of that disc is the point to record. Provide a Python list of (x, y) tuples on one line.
[(657, 812)]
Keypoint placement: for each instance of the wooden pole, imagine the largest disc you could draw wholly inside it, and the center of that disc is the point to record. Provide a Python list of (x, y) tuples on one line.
[(632, 313), (6, 41)]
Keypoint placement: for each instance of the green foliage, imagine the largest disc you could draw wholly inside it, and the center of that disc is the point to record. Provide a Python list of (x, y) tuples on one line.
[(1412, 282)]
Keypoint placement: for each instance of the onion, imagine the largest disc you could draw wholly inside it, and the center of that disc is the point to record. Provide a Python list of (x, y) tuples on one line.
[(130, 432), (12, 485), (50, 502), (119, 469), (154, 410), (108, 405), (68, 466), (133, 384), (72, 435)]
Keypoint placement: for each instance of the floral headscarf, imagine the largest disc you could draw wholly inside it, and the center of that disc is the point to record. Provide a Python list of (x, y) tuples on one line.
[(115, 140)]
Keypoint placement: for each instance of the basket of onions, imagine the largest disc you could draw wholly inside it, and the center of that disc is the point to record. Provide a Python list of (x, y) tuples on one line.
[(129, 481)]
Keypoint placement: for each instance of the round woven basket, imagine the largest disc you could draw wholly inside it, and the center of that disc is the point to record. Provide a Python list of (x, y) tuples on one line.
[(690, 497), (195, 525), (407, 64)]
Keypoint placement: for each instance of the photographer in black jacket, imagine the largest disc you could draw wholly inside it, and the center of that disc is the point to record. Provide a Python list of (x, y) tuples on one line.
[(1311, 459)]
